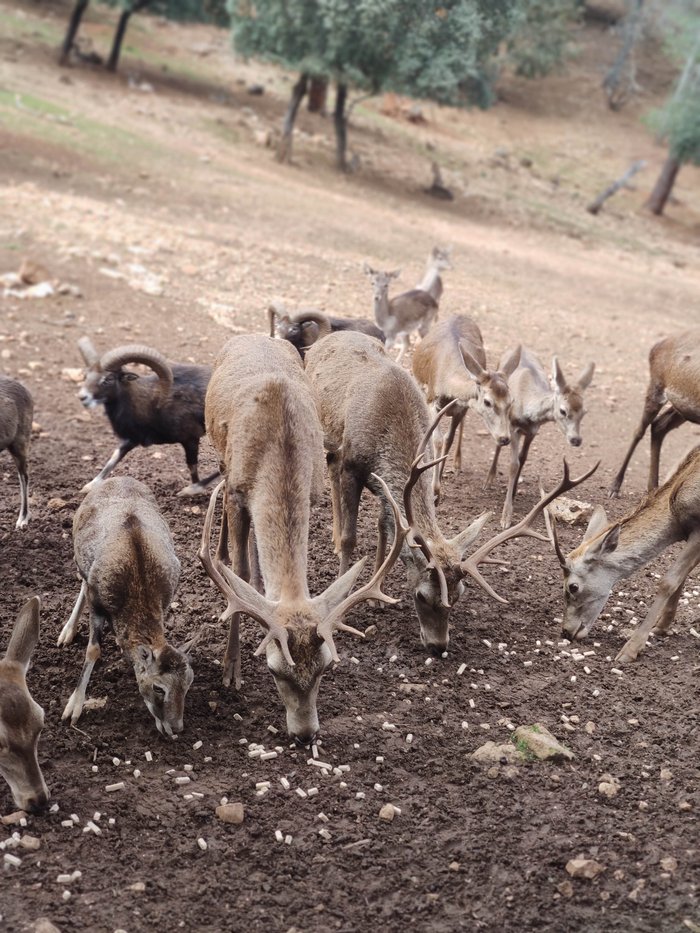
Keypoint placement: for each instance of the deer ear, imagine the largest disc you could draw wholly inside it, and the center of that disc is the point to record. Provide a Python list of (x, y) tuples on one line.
[(367, 269), (584, 380), (473, 367), (608, 543), (143, 657), (466, 538), (334, 594), (25, 634), (596, 523), (557, 375), (512, 363)]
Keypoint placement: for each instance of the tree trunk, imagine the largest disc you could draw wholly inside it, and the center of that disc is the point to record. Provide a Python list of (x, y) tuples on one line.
[(284, 150), (113, 59), (664, 186), (317, 95), (73, 25), (341, 126), (619, 82)]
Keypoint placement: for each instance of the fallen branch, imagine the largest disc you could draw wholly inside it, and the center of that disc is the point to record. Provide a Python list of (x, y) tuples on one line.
[(622, 182)]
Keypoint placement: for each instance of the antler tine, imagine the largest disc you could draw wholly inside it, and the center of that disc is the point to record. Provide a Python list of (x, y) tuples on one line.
[(372, 589), (225, 579), (522, 529), (551, 524)]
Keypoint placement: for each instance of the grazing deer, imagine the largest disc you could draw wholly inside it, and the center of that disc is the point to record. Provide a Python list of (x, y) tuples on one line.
[(130, 572), (399, 316), (611, 551), (673, 396), (376, 422), (16, 410), (438, 261), (21, 718), (534, 403), (451, 364), (262, 420)]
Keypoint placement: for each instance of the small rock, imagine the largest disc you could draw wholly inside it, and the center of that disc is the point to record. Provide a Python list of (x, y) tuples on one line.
[(669, 863), (32, 273), (32, 843), (11, 818), (609, 786), (371, 631), (566, 888), (685, 805), (263, 138), (44, 925), (388, 812), (411, 688), (490, 753), (643, 805), (41, 290), (454, 866), (230, 813), (665, 774), (541, 743), (256, 90), (72, 374), (56, 504), (582, 867), (571, 511), (590, 727), (639, 886), (138, 887)]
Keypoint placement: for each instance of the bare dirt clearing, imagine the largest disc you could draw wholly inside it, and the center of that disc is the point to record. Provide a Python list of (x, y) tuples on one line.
[(178, 227)]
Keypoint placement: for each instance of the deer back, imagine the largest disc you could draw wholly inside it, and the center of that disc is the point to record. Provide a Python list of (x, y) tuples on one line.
[(675, 366), (437, 361)]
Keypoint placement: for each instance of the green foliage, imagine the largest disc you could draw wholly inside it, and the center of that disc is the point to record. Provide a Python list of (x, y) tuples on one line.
[(540, 35), (682, 126), (190, 11)]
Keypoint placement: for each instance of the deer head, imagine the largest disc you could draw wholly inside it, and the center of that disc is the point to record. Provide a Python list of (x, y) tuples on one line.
[(299, 636), (493, 400), (21, 719), (567, 404), (164, 675)]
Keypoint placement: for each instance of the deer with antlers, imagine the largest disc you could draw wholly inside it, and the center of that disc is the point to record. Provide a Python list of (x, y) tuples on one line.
[(376, 422), (451, 364), (535, 402), (262, 420), (673, 397), (611, 551)]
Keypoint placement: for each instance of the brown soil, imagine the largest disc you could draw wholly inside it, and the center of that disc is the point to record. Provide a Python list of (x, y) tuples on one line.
[(174, 182)]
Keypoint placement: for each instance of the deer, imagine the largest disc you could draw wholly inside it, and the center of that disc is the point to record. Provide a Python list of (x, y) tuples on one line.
[(306, 327), (438, 261), (673, 397), (16, 411), (376, 422), (611, 551), (129, 574), (536, 402), (21, 717), (398, 317), (262, 420), (451, 365)]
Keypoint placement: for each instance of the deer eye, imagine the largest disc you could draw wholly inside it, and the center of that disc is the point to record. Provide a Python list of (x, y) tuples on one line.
[(421, 597), (487, 404), (573, 588), (562, 411), (159, 691)]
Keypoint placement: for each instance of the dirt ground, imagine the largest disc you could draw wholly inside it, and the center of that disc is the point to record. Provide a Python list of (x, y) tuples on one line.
[(153, 193)]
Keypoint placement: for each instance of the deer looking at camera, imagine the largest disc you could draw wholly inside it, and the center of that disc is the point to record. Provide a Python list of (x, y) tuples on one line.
[(400, 316), (21, 719), (376, 422), (611, 551), (451, 364), (673, 397), (535, 402), (262, 420)]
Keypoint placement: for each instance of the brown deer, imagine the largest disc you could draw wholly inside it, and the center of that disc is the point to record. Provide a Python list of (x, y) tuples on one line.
[(438, 261), (673, 397), (611, 551), (262, 420), (451, 363), (400, 316), (16, 410), (535, 402), (21, 718), (377, 422)]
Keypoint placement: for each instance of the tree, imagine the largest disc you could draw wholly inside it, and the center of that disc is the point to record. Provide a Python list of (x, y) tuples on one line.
[(447, 51), (205, 11)]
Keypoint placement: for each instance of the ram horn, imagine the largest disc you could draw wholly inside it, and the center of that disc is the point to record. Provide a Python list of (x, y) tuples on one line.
[(115, 359)]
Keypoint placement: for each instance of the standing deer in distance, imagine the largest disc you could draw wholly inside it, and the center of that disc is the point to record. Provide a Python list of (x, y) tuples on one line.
[(130, 572), (534, 402), (451, 364), (16, 411), (438, 261), (376, 422), (307, 326), (21, 718), (261, 417), (673, 397), (611, 551), (400, 316)]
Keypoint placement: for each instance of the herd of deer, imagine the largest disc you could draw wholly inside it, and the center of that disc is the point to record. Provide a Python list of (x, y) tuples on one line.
[(274, 410)]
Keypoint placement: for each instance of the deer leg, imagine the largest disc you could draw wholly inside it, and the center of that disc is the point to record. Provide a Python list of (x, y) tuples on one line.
[(334, 469), (405, 344), (74, 706), (507, 513), (668, 420), (118, 455), (239, 526), (652, 406), (445, 449), (494, 467), (382, 538), (197, 486), (524, 449), (350, 492), (69, 630), (458, 448), (19, 455), (256, 579), (663, 608)]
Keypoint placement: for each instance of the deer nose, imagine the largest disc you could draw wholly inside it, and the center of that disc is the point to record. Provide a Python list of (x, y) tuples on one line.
[(37, 802), (503, 441), (575, 441), (303, 739)]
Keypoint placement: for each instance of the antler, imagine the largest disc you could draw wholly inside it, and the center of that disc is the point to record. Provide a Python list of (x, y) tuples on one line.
[(551, 523), (522, 529), (416, 540), (240, 596), (372, 589)]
